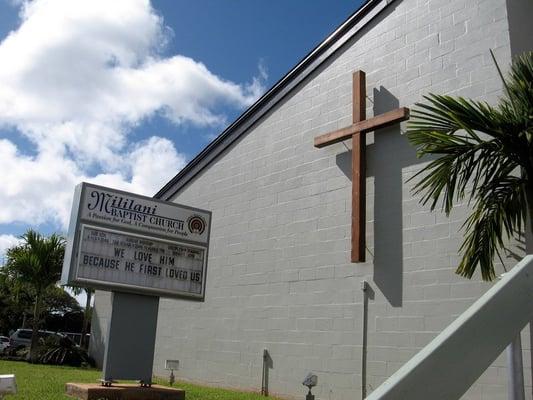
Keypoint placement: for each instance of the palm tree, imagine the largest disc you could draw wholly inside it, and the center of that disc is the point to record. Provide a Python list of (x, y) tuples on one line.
[(484, 154), (36, 263)]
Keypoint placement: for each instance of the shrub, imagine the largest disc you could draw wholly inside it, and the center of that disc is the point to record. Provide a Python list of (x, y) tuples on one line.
[(60, 350)]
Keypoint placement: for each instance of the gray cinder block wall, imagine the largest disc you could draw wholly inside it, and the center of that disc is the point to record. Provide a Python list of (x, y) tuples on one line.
[(100, 326), (279, 276)]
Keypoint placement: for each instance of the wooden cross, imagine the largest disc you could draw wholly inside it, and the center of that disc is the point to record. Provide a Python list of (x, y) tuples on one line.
[(357, 131)]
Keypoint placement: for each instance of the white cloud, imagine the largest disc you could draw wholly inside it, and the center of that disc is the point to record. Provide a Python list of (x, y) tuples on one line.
[(40, 189), (75, 78), (7, 241)]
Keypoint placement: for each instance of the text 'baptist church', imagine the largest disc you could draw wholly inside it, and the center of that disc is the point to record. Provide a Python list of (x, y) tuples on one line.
[(129, 209)]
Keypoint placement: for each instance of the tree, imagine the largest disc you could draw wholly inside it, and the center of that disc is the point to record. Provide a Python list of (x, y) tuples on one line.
[(10, 314), (56, 300), (16, 302), (37, 263), (485, 156), (87, 313)]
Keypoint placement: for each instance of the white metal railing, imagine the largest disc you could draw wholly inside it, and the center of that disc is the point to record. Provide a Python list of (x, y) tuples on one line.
[(454, 360)]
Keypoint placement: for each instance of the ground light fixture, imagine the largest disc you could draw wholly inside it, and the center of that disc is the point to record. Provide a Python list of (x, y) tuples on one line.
[(310, 381), (172, 365)]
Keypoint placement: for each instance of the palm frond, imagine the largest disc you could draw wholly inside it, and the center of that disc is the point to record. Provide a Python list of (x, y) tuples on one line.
[(498, 213), (447, 114), (483, 154), (38, 260)]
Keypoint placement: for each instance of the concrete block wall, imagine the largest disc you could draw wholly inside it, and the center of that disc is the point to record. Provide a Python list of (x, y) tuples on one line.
[(279, 276), (100, 326)]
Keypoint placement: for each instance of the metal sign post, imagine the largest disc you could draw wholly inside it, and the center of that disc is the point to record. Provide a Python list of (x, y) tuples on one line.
[(129, 353)]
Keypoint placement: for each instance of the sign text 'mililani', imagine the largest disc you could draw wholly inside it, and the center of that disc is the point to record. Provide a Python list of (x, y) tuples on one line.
[(128, 208)]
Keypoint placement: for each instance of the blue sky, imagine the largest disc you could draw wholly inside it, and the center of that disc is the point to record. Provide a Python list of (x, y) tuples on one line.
[(124, 93)]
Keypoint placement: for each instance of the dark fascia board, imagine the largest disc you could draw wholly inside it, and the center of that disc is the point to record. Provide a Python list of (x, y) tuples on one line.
[(302, 70)]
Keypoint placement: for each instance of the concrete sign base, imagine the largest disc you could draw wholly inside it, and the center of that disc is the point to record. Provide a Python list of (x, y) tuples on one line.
[(129, 353), (89, 391)]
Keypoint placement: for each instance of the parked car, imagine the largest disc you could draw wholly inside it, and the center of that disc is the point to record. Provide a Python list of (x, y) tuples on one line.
[(76, 337), (4, 344), (22, 337)]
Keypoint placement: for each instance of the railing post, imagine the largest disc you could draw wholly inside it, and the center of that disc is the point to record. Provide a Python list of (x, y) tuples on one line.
[(515, 388), (364, 288)]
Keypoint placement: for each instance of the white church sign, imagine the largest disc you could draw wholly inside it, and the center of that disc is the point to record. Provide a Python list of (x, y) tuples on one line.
[(125, 242)]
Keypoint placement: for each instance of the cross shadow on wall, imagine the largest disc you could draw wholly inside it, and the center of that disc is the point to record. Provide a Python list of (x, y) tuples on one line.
[(385, 159)]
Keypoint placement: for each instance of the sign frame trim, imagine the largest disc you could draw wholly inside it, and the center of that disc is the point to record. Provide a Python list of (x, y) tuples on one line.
[(77, 223)]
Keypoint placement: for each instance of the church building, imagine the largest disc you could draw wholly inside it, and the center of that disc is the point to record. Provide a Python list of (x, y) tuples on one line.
[(296, 283)]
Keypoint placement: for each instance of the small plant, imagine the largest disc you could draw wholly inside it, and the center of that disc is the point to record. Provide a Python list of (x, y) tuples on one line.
[(60, 350), (16, 353)]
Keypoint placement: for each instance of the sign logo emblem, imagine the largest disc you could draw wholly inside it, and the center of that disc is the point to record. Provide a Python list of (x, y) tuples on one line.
[(196, 224)]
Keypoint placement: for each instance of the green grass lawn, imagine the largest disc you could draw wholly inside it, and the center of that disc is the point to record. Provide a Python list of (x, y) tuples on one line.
[(45, 382)]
